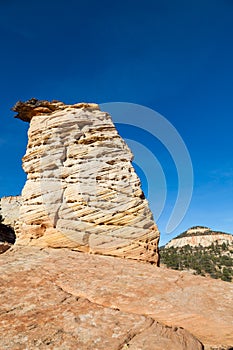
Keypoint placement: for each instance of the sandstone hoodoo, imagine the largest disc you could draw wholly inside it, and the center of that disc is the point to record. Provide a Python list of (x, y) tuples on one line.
[(82, 191)]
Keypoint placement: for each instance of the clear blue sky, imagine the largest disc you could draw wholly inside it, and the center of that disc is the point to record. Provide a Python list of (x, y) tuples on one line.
[(174, 56)]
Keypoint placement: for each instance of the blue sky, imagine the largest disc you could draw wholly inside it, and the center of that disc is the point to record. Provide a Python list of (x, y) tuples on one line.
[(175, 57)]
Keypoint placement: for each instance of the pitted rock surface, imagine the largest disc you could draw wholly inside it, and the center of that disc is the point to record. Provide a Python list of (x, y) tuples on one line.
[(82, 191)]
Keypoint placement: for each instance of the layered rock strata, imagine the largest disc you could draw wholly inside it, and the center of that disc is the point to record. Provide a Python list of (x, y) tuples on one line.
[(9, 210), (81, 190), (200, 236)]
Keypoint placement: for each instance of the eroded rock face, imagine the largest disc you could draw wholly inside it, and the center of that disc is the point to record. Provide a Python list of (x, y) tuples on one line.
[(9, 210), (81, 190)]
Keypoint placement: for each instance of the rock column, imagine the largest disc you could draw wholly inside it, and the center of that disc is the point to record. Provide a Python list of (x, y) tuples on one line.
[(82, 191)]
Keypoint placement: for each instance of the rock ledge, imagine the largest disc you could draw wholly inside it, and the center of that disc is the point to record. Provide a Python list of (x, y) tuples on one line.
[(33, 107)]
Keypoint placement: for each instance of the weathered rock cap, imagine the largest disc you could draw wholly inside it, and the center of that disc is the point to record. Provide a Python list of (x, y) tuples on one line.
[(33, 107)]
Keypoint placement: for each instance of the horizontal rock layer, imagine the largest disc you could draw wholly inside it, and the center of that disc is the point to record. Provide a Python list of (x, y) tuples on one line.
[(81, 190)]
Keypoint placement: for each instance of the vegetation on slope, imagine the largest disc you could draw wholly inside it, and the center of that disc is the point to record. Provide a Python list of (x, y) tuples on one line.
[(215, 261)]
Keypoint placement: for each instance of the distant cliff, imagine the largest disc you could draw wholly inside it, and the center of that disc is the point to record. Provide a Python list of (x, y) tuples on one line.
[(202, 251), (200, 235)]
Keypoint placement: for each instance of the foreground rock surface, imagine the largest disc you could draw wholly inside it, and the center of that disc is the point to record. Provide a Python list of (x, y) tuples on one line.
[(82, 191), (63, 299)]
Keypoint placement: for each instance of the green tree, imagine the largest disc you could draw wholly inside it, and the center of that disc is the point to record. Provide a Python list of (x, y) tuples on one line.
[(224, 246), (226, 275)]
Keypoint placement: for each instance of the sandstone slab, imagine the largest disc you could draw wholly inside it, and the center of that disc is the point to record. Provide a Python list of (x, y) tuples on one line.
[(63, 299)]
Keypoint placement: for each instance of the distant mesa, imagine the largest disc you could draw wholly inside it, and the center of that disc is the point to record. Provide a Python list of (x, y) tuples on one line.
[(201, 251), (200, 235)]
